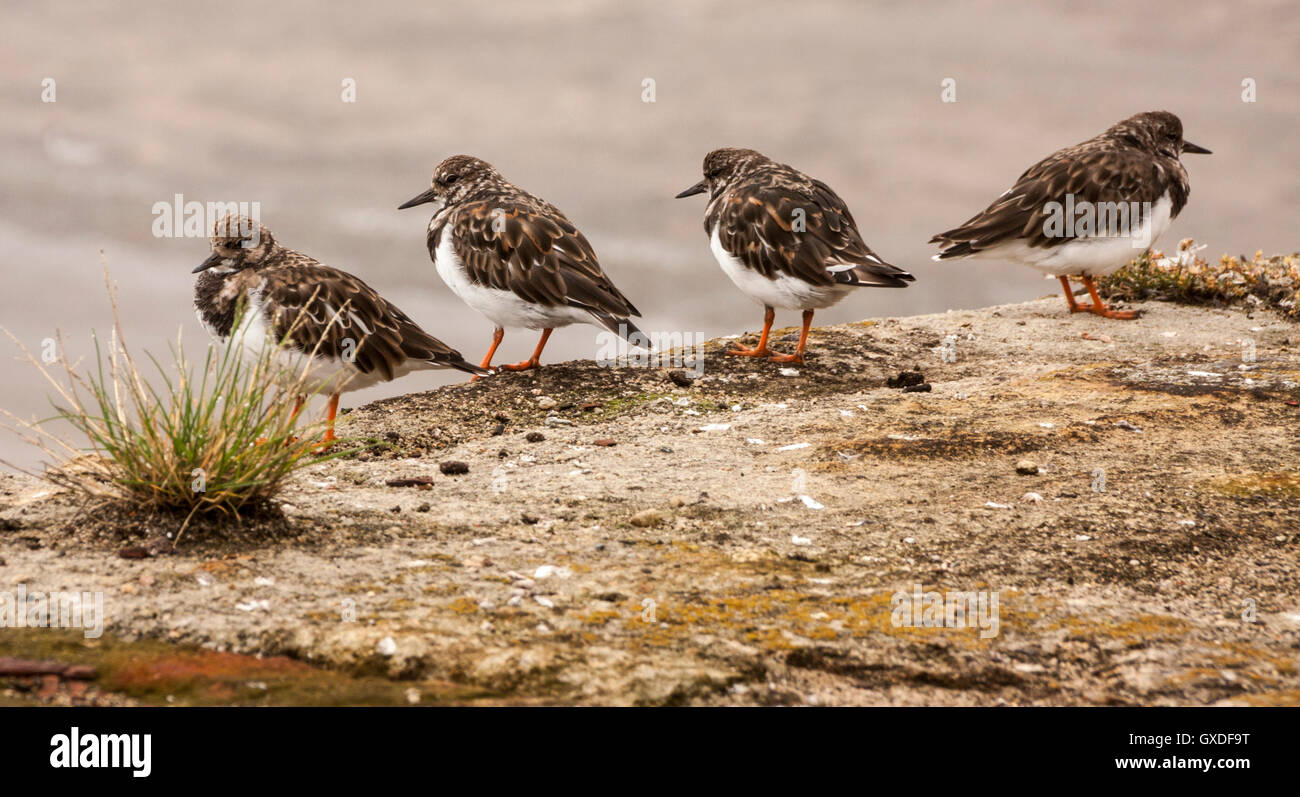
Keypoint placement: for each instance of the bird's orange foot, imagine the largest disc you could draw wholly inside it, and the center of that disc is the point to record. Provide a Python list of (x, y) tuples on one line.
[(1081, 308), (523, 366), (777, 357), (1120, 315), (747, 351), (326, 443)]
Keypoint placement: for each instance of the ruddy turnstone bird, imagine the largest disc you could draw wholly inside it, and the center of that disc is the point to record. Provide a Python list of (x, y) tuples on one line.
[(785, 239), (516, 258), (353, 335), (1086, 210)]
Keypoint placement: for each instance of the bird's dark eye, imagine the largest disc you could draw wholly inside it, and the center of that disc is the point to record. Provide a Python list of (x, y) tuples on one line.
[(448, 179)]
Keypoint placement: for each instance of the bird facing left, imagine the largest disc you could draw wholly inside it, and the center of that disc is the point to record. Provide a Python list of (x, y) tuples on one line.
[(316, 315)]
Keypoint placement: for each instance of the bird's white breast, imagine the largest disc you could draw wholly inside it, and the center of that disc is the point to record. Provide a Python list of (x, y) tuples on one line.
[(502, 307), (1094, 256), (325, 375), (783, 291)]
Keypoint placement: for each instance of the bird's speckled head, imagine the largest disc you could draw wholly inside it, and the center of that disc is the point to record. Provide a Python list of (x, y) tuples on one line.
[(723, 167), (1156, 132), (455, 180), (238, 242)]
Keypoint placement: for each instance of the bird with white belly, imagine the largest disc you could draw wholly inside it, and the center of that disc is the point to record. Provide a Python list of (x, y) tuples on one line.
[(349, 335), (786, 240), (1087, 210), (516, 258)]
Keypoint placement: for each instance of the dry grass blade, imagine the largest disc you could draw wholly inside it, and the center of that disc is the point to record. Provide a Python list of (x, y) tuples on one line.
[(217, 441)]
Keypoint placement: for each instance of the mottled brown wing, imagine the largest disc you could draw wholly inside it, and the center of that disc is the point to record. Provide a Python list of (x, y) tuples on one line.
[(804, 231), (1092, 172), (314, 304), (536, 253)]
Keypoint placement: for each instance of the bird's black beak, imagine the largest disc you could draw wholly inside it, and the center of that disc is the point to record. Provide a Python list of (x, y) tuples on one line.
[(214, 259), (420, 199), (1190, 147), (698, 188)]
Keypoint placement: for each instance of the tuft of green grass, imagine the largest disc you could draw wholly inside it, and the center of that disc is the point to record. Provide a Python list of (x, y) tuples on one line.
[(219, 439), (1186, 277)]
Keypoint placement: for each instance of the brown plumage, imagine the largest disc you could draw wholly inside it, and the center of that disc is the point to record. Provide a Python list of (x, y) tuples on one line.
[(537, 254), (785, 239), (1136, 160), (516, 258), (356, 337), (753, 204), (1133, 167)]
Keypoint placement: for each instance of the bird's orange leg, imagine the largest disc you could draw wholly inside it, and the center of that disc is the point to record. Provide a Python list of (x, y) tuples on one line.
[(329, 420), (297, 408), (497, 335), (536, 359), (1075, 307), (761, 350), (1101, 309), (797, 357)]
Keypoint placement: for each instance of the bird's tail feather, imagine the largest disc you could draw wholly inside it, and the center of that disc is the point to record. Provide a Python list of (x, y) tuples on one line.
[(625, 328), (460, 364)]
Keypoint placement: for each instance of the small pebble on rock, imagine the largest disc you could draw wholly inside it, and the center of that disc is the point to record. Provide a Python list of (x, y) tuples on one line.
[(648, 518), (681, 378), (906, 379)]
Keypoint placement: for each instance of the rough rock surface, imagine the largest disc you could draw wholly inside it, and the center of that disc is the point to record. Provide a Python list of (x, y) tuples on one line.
[(738, 538)]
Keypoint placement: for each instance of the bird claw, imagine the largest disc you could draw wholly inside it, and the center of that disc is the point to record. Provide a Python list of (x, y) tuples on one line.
[(746, 351), (1120, 315), (777, 357)]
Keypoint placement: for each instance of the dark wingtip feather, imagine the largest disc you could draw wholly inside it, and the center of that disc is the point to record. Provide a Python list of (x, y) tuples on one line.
[(875, 275), (461, 365), (624, 327), (960, 249)]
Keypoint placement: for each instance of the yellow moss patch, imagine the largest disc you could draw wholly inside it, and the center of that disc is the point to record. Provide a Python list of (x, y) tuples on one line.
[(1135, 631), (1277, 483), (1280, 697), (463, 606)]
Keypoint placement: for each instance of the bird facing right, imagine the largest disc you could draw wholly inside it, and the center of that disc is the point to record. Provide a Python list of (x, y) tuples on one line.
[(785, 239), (1086, 210)]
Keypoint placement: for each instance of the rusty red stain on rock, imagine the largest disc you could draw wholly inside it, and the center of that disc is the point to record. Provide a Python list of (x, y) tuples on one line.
[(79, 672), (176, 671)]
